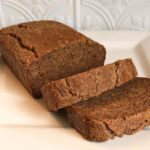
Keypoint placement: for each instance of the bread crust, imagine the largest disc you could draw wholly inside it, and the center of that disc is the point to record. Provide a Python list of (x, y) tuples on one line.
[(123, 110), (65, 92), (40, 51)]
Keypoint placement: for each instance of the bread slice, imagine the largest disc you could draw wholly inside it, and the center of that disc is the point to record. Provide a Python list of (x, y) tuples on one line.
[(40, 51), (123, 110), (79, 87)]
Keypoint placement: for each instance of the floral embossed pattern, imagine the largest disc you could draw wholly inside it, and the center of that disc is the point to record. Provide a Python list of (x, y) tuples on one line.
[(90, 15), (115, 15), (12, 12)]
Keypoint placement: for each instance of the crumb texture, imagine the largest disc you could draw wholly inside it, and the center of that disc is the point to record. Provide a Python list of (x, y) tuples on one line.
[(40, 51), (91, 83), (123, 110)]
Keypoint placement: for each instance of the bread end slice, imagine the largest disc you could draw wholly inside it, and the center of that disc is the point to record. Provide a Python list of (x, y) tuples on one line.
[(123, 110)]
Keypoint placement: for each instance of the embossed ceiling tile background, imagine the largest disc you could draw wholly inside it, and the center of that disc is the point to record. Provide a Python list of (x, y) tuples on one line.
[(80, 14), (115, 15), (16, 11)]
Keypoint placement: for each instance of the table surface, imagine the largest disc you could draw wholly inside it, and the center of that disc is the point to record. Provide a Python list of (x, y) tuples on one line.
[(25, 122)]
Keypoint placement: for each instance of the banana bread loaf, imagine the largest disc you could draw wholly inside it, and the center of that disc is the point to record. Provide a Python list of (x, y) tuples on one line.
[(123, 110), (65, 92), (47, 50)]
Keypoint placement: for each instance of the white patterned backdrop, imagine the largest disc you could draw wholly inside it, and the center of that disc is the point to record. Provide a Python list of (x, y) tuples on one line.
[(80, 14)]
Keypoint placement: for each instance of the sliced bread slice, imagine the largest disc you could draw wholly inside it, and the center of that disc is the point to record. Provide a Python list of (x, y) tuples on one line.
[(123, 110), (65, 92)]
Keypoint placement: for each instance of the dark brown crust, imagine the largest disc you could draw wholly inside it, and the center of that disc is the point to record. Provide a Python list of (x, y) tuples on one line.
[(61, 48), (79, 87), (123, 110)]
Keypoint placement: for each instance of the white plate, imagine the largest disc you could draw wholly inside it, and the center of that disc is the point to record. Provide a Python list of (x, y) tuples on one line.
[(66, 139), (28, 120)]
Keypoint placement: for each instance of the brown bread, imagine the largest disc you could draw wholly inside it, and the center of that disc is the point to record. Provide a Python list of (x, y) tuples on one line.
[(123, 110), (65, 92), (47, 50)]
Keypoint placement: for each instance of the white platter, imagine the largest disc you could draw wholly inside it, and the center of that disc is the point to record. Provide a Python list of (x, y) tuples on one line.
[(26, 121)]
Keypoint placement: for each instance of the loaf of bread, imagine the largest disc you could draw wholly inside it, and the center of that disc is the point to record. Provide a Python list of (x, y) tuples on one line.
[(47, 50), (65, 92), (123, 110)]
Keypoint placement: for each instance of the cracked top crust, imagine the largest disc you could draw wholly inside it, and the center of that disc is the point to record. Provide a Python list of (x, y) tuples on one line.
[(29, 41), (128, 99)]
